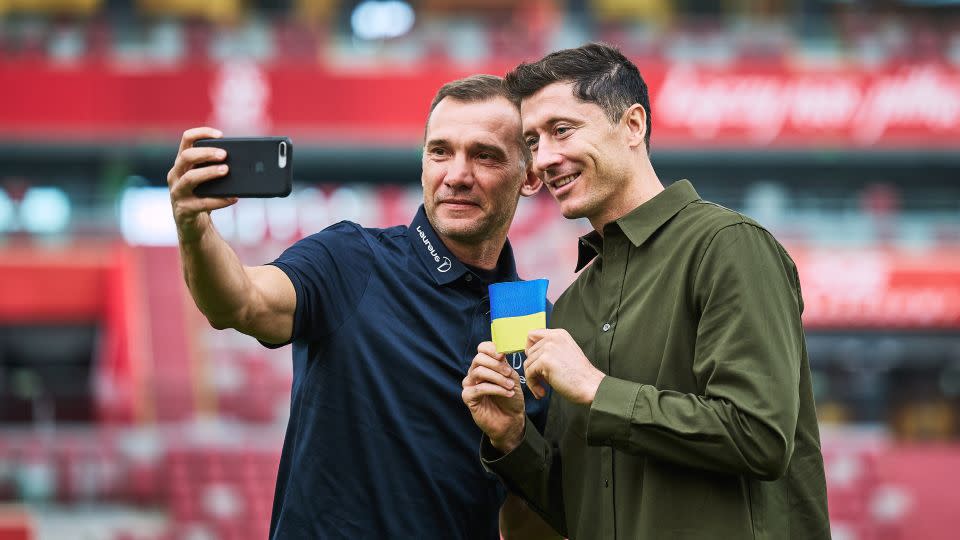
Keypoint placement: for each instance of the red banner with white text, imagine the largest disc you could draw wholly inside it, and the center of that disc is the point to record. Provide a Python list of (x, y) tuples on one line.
[(738, 106)]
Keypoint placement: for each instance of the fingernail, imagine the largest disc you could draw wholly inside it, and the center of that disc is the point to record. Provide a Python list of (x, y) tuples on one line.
[(222, 168), (221, 154)]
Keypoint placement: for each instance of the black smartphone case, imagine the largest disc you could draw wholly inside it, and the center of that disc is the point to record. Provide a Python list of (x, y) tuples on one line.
[(254, 168)]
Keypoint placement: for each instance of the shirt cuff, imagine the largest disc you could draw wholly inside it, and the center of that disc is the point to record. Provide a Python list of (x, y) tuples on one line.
[(611, 412), (529, 454)]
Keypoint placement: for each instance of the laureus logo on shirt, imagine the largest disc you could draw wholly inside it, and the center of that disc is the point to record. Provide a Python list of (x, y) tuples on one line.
[(516, 362), (445, 263)]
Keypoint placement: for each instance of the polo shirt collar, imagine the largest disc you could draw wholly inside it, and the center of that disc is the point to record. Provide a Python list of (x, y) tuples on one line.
[(441, 263), (641, 222)]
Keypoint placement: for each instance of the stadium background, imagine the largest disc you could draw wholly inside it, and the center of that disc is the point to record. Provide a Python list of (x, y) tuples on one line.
[(124, 416)]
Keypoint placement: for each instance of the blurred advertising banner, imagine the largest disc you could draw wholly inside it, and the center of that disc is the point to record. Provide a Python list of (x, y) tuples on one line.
[(849, 287), (738, 105), (880, 288)]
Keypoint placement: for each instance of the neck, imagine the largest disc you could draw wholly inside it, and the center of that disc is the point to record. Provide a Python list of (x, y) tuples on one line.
[(642, 186), (483, 254)]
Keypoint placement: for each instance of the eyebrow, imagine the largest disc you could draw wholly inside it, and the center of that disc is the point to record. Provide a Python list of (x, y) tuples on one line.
[(550, 121), (493, 149), (476, 147)]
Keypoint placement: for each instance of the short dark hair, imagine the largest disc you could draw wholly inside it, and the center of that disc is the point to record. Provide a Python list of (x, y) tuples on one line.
[(476, 88), (600, 74)]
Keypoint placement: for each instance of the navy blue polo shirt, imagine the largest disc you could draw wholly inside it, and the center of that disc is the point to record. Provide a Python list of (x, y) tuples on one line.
[(379, 443)]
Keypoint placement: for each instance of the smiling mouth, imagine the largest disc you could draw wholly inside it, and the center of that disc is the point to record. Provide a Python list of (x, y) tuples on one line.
[(564, 180)]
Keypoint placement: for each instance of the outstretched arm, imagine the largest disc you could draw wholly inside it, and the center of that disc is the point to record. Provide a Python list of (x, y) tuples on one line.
[(258, 301)]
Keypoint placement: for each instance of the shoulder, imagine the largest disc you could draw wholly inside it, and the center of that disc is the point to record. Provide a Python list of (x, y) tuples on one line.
[(709, 223), (388, 235), (710, 218), (341, 244), (349, 235), (729, 238), (338, 233)]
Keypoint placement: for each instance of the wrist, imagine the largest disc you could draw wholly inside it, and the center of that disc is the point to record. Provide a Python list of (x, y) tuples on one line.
[(590, 391), (191, 232), (510, 440)]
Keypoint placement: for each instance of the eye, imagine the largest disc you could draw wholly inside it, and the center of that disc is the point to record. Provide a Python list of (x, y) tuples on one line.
[(560, 130), (531, 142), (436, 151)]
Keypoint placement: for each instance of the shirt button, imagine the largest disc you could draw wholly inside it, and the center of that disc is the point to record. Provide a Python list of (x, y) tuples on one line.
[(469, 277), (606, 327)]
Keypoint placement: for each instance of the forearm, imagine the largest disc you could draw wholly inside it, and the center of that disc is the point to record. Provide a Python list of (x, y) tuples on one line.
[(692, 430), (216, 278)]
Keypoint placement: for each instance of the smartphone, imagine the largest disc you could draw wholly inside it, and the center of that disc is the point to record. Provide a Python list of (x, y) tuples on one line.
[(259, 167)]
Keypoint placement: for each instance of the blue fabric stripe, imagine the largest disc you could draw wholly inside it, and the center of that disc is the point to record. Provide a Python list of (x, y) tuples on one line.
[(518, 298)]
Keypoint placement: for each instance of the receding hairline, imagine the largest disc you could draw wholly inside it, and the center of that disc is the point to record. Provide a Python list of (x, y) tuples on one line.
[(480, 88), (514, 106)]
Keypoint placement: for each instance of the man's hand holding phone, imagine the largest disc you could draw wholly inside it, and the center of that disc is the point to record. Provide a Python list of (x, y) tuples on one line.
[(192, 213)]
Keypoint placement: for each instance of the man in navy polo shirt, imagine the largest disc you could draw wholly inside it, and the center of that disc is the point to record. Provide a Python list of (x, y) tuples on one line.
[(384, 325)]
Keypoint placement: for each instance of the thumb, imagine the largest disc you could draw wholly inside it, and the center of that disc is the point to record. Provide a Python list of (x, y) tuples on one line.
[(534, 336)]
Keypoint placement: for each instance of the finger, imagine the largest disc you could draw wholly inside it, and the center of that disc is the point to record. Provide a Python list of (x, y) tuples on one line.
[(536, 386), (535, 348), (210, 204), (193, 135), (530, 361), (514, 376), (533, 370), (191, 179), (196, 206), (473, 394), (535, 336), (489, 349), (496, 364), (202, 154), (191, 158), (482, 374)]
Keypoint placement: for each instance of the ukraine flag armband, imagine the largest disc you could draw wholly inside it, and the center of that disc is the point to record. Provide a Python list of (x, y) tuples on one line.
[(516, 308)]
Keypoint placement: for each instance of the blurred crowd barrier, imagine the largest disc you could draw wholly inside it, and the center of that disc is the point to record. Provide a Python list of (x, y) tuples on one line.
[(215, 480)]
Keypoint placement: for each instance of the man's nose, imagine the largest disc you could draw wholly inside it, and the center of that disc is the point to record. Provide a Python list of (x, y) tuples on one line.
[(459, 173), (546, 157)]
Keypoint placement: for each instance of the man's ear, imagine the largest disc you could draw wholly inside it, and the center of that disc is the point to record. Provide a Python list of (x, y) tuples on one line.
[(635, 119), (531, 183)]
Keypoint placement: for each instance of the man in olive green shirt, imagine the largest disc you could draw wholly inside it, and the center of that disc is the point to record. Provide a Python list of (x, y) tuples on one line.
[(682, 404)]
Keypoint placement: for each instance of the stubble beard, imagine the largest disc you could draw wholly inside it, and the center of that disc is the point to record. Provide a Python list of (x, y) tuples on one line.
[(468, 231)]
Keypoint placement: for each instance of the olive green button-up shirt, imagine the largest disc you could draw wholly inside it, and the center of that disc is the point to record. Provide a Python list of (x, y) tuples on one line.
[(704, 426)]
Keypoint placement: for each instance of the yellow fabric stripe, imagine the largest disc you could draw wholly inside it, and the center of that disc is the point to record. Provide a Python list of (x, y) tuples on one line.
[(510, 333)]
